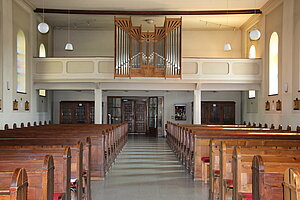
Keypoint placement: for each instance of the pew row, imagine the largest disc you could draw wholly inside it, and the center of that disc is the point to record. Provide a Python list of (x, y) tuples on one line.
[(192, 145), (221, 158), (106, 142), (243, 174), (76, 168)]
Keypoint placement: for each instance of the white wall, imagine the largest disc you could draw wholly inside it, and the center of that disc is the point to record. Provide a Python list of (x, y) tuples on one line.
[(226, 96), (17, 15), (85, 42), (208, 44), (284, 18)]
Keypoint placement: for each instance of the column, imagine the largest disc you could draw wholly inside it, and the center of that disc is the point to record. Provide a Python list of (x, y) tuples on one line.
[(197, 106), (98, 106)]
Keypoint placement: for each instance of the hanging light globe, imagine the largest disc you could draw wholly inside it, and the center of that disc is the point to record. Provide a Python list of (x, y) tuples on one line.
[(254, 34), (69, 47), (227, 47), (43, 27)]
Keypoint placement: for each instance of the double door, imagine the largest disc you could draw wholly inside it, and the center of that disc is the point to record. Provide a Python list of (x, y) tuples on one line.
[(135, 113), (218, 112), (77, 112)]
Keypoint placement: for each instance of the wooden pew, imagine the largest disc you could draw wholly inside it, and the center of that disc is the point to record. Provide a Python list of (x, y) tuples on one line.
[(197, 140), (242, 162), (221, 158), (38, 147), (291, 184), (40, 173), (268, 176), (116, 138), (14, 185)]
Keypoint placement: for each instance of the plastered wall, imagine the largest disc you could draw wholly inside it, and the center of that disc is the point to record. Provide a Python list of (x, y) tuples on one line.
[(282, 17), (206, 44), (17, 15)]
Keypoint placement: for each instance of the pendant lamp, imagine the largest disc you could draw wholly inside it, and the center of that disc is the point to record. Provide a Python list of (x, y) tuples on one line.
[(43, 27), (227, 46), (254, 34), (69, 45)]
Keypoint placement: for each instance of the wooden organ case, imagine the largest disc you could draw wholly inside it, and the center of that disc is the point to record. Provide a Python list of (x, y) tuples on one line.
[(148, 54)]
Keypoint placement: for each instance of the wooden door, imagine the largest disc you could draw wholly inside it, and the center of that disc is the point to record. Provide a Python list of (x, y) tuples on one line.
[(128, 115), (77, 112), (140, 116), (218, 112), (152, 116)]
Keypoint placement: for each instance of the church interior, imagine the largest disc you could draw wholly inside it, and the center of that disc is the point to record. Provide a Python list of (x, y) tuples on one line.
[(144, 99)]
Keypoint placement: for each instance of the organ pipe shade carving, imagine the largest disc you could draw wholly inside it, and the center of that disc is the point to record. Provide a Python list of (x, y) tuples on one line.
[(148, 54)]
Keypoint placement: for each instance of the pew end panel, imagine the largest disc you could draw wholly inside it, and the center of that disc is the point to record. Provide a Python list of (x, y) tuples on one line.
[(291, 184), (14, 185)]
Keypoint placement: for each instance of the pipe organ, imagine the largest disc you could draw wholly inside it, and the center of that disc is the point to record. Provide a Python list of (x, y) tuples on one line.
[(148, 54)]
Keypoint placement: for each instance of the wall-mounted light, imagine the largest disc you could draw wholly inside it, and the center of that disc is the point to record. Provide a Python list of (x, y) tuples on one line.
[(8, 85), (285, 87)]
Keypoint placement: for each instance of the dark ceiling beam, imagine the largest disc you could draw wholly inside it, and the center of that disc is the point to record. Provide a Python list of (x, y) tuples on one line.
[(127, 12)]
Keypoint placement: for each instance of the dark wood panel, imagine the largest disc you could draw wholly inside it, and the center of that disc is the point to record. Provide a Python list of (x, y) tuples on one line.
[(140, 116), (218, 112), (149, 12), (128, 115), (77, 112)]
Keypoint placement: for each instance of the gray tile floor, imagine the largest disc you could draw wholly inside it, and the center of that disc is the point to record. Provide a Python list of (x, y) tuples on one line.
[(147, 169)]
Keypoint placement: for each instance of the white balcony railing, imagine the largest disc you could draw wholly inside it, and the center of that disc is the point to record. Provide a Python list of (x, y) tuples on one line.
[(96, 69)]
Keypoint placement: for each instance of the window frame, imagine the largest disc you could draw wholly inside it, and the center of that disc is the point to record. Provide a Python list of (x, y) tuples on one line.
[(44, 49), (249, 54), (273, 52), (21, 47)]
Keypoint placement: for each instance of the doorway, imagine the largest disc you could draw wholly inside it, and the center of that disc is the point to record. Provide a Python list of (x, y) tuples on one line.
[(218, 112), (77, 112), (143, 114), (135, 113)]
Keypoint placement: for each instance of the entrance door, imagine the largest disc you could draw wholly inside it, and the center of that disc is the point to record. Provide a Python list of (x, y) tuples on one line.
[(140, 116), (128, 114), (135, 113)]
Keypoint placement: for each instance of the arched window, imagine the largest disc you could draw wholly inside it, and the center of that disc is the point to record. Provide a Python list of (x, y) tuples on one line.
[(42, 51), (273, 64), (21, 62), (252, 52)]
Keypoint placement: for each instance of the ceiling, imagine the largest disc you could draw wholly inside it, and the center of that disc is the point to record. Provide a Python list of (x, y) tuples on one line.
[(105, 22)]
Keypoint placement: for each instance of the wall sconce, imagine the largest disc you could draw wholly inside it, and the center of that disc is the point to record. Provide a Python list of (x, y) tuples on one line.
[(8, 85), (285, 87)]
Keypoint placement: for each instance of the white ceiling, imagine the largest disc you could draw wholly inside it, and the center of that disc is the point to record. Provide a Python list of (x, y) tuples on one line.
[(189, 22)]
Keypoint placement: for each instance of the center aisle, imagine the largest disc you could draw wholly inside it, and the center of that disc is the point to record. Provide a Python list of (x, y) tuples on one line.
[(147, 169)]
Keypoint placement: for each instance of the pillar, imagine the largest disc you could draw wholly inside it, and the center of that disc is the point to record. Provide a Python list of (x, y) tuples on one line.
[(98, 106), (197, 107)]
